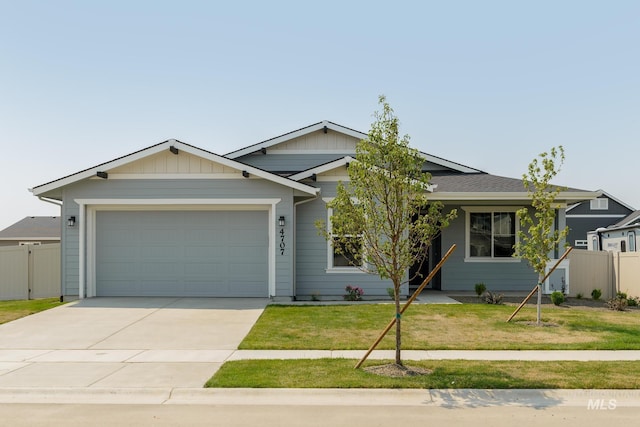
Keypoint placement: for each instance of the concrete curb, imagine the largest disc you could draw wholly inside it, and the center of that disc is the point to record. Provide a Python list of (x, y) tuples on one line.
[(470, 398)]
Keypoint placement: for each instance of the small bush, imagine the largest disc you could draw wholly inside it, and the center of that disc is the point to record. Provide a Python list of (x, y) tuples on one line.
[(632, 301), (354, 293), (596, 294), (315, 296), (557, 297), (480, 288), (492, 298), (391, 293), (618, 303), (622, 295), (579, 295)]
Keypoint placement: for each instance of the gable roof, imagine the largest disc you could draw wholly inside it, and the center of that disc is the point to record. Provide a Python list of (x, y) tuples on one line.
[(171, 144), (33, 228), (631, 219), (328, 125), (608, 196)]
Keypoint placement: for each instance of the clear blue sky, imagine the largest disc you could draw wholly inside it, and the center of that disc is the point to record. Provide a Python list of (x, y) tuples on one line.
[(489, 84)]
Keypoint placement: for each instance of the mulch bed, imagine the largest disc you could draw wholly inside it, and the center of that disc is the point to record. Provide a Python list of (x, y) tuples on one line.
[(397, 371)]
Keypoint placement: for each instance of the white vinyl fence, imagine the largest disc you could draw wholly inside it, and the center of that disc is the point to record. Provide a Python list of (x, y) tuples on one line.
[(29, 272), (610, 272)]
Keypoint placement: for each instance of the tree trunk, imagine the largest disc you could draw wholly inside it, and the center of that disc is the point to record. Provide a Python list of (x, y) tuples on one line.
[(539, 305), (398, 327)]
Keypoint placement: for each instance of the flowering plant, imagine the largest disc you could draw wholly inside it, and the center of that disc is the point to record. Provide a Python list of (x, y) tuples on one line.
[(354, 293)]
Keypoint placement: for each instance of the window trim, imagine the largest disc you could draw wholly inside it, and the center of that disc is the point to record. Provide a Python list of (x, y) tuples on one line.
[(581, 243), (599, 204), (487, 209), (350, 269)]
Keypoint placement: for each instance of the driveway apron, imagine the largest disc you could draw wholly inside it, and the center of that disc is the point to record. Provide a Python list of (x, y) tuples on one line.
[(125, 342)]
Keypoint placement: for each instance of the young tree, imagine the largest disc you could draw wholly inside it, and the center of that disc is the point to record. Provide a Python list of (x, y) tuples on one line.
[(381, 220), (537, 237)]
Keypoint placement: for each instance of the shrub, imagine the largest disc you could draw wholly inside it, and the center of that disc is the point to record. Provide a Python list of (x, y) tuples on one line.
[(392, 293), (632, 301), (492, 298), (480, 288), (557, 297), (315, 296), (618, 303), (579, 295), (354, 293), (621, 295), (596, 294)]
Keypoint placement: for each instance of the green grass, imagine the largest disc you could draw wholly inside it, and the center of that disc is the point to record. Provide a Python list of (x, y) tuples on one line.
[(454, 327), (339, 373), (12, 310)]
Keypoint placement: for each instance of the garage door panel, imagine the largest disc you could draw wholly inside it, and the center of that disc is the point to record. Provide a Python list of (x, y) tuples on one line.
[(177, 253)]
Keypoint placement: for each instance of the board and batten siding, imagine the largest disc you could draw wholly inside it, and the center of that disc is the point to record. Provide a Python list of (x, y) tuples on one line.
[(176, 189), (312, 277)]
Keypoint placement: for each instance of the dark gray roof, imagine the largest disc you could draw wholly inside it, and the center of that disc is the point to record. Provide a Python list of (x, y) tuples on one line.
[(33, 227), (633, 218), (479, 183)]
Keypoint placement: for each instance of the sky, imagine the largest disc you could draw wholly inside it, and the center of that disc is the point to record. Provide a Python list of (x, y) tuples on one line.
[(489, 84)]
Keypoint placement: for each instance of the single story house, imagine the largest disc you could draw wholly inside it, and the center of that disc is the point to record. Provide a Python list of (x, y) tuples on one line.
[(177, 220), (583, 217), (32, 230)]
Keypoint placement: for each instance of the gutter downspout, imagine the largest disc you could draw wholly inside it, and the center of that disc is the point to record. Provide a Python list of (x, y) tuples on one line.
[(295, 227)]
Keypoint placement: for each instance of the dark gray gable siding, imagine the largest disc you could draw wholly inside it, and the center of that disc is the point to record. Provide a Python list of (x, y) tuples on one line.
[(174, 189), (592, 219)]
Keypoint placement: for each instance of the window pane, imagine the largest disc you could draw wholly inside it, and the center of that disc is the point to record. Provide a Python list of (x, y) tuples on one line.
[(480, 234), (345, 255), (632, 241), (504, 225)]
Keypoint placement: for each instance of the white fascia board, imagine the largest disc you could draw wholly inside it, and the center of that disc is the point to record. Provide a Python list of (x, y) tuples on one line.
[(322, 168), (287, 182), (615, 199), (105, 167), (502, 196), (88, 173), (448, 163), (295, 134)]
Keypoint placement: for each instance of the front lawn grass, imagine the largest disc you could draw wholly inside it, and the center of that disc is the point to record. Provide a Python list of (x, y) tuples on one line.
[(447, 327), (12, 310), (339, 373)]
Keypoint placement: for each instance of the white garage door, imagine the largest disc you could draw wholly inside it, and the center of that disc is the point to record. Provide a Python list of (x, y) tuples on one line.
[(182, 253)]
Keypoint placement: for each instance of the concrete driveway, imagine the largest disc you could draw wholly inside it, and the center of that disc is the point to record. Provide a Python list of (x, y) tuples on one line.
[(125, 342)]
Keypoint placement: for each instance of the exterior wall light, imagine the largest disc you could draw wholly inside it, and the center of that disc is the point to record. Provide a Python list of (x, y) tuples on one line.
[(71, 221), (281, 221)]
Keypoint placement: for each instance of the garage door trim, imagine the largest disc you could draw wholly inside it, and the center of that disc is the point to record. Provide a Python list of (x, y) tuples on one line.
[(87, 228)]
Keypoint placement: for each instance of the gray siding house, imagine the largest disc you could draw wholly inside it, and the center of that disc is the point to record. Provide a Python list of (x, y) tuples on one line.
[(32, 230), (590, 215), (176, 220)]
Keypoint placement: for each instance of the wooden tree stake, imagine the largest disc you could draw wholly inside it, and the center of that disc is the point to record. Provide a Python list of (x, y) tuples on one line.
[(528, 297), (425, 282)]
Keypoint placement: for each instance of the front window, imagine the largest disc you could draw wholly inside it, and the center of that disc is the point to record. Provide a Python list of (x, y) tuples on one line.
[(345, 252), (492, 233)]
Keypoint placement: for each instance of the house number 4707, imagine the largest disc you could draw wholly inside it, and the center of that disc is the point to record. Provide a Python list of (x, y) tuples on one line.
[(282, 244)]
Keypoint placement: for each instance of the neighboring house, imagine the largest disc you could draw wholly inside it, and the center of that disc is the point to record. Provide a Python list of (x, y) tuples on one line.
[(623, 236), (176, 220), (592, 214), (32, 230)]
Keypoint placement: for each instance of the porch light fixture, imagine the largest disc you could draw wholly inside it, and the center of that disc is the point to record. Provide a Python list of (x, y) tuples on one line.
[(71, 221), (281, 221)]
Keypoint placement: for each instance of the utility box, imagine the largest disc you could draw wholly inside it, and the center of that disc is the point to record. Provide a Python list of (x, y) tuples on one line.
[(559, 279)]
